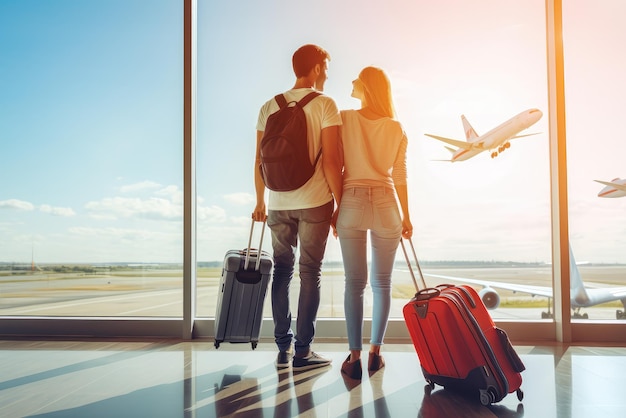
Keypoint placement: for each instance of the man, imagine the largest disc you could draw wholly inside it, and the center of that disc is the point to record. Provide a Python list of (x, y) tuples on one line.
[(302, 215)]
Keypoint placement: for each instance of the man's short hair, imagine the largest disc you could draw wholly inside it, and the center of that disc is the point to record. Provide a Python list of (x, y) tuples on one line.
[(307, 57)]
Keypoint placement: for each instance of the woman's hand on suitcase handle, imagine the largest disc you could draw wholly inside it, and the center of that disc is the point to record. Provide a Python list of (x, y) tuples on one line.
[(407, 228)]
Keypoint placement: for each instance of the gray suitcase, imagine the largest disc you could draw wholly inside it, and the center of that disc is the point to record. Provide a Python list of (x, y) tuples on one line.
[(243, 285)]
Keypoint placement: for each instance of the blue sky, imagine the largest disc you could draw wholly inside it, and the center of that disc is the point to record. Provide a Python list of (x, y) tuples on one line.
[(91, 120), (90, 111)]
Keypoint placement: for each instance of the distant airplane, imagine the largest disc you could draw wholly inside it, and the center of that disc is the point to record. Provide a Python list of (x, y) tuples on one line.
[(614, 188), (496, 140), (581, 296)]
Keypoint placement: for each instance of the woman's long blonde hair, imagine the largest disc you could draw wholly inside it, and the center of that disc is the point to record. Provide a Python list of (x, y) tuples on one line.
[(377, 90)]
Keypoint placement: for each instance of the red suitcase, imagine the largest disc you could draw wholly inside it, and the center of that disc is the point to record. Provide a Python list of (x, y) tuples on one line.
[(458, 344)]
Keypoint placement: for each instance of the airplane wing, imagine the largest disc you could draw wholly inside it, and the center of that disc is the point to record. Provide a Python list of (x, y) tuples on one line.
[(617, 292), (470, 145), (596, 296), (454, 142), (532, 290), (618, 186), (522, 136)]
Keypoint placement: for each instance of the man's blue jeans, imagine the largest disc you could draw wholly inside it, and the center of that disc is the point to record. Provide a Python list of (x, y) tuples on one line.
[(362, 209), (311, 228)]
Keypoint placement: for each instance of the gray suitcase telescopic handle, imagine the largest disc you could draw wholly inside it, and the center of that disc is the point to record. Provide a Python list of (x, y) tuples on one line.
[(408, 262), (258, 258)]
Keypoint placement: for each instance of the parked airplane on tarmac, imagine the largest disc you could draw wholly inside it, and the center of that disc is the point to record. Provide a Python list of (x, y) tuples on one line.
[(614, 188), (496, 140), (581, 296)]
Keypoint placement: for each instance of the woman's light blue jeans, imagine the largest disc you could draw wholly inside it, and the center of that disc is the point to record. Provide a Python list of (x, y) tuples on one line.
[(362, 209)]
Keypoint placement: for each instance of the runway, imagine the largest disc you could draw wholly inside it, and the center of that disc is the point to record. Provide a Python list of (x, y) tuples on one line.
[(156, 292)]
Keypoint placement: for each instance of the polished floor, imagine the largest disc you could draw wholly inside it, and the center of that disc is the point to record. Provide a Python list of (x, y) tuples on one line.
[(194, 379)]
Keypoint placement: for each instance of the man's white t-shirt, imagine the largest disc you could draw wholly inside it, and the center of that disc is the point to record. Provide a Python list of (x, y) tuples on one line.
[(321, 112)]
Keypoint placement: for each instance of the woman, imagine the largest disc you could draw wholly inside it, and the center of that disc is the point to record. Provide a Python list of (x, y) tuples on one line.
[(374, 180)]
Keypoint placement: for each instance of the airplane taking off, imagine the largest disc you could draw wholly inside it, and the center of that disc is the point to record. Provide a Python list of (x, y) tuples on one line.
[(614, 188), (496, 140), (581, 296)]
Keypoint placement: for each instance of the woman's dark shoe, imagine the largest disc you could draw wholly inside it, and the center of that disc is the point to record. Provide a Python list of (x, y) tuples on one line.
[(375, 363), (353, 369)]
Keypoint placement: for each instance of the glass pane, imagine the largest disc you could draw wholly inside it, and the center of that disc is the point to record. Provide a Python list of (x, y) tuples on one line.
[(484, 218), (91, 139), (595, 99)]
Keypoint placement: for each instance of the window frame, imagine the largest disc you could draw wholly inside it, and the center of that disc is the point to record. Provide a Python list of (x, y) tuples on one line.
[(562, 329)]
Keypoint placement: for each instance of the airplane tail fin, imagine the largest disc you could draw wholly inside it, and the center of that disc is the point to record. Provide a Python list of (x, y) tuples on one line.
[(470, 133), (577, 287)]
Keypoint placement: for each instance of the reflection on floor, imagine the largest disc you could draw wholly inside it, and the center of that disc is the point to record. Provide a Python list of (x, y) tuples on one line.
[(193, 379)]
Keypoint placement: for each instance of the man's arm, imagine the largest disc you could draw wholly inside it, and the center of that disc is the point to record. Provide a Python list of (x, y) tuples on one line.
[(332, 164), (260, 213)]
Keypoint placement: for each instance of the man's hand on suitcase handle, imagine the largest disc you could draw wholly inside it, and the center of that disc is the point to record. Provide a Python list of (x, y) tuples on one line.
[(259, 214)]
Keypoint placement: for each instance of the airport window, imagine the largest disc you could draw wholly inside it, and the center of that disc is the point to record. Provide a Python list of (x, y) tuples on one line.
[(486, 218), (94, 179), (595, 102), (91, 177)]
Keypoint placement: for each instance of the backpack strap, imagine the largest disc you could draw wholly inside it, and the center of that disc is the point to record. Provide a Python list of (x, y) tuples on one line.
[(303, 102), (319, 154), (280, 99), (306, 99), (282, 102)]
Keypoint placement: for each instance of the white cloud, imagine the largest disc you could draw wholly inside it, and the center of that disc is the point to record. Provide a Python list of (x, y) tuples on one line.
[(166, 203), (122, 244), (144, 185), (58, 211), (121, 207), (116, 233), (16, 204), (240, 199), (171, 192), (211, 213)]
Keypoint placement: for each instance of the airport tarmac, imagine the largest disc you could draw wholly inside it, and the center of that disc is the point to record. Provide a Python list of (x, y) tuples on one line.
[(159, 293)]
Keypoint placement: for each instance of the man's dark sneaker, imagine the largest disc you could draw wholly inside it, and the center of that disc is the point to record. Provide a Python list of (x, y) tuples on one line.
[(283, 360), (312, 361)]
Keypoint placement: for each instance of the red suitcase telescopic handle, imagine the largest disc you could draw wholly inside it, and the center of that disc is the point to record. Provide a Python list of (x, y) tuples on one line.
[(428, 293), (417, 264)]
